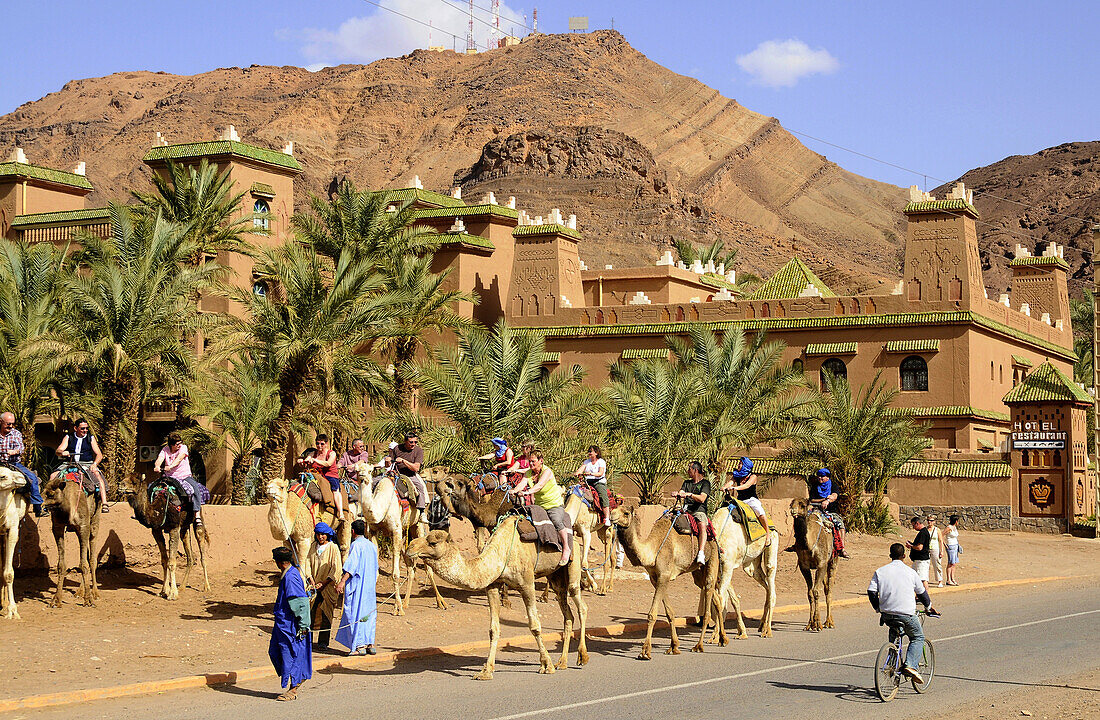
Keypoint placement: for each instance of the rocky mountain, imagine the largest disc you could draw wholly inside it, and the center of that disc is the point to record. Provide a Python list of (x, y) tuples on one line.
[(581, 122), (1051, 196)]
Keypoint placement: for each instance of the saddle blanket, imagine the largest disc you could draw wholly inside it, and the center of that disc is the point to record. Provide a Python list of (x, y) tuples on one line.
[(591, 498), (402, 485), (742, 513), (77, 474), (320, 492), (686, 524), (540, 529)]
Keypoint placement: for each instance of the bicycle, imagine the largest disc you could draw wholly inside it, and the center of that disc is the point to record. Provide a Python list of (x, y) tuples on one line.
[(888, 663)]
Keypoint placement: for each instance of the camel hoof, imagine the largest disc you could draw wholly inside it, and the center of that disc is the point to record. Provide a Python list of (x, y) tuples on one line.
[(672, 651), (546, 670), (442, 605), (562, 664), (724, 641), (698, 648), (765, 632), (582, 659), (55, 603), (828, 624), (88, 602), (644, 656), (12, 614), (485, 674)]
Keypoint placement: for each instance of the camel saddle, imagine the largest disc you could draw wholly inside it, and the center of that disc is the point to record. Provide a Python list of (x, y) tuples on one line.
[(537, 527), (686, 524), (407, 495), (77, 474), (164, 491), (320, 492), (742, 513), (591, 498)]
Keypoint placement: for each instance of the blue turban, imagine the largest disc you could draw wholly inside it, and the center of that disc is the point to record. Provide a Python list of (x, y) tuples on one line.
[(744, 471), (325, 529), (824, 472), (501, 446)]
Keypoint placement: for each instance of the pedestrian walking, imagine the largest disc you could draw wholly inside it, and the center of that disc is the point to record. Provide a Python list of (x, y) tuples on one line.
[(935, 544), (357, 623), (918, 550), (289, 649), (324, 558), (951, 544)]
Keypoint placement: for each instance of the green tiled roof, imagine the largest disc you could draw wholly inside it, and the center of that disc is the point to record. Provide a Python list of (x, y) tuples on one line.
[(1021, 360), (929, 206), (789, 282), (845, 348), (75, 217), (913, 346), (954, 411), (525, 230), (645, 354), (466, 239), (800, 323), (34, 172), (188, 151), (1047, 383), (551, 357), (259, 188), (983, 469), (1046, 260), (774, 466), (716, 280), (464, 211), (426, 196)]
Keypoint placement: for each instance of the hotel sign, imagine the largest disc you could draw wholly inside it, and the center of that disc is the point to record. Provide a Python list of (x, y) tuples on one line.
[(1037, 435)]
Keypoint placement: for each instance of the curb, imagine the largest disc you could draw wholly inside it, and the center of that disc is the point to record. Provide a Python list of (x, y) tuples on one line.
[(234, 677)]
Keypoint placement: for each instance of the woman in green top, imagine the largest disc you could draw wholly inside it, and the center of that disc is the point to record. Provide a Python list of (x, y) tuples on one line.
[(540, 483)]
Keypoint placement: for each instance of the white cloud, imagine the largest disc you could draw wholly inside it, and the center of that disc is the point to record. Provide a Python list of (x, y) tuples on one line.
[(782, 63), (385, 34), (314, 67)]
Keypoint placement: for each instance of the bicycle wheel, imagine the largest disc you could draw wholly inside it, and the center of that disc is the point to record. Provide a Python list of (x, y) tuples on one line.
[(927, 667), (887, 677)]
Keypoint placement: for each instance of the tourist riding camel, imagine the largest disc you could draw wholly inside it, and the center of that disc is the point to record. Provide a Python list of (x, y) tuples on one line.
[(407, 458), (817, 558), (174, 462), (13, 506), (81, 447), (74, 505), (540, 484), (11, 455), (324, 464), (743, 481), (821, 497), (594, 472)]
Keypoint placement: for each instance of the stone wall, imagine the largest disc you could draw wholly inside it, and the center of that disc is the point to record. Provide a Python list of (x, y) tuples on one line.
[(971, 517), (1048, 525)]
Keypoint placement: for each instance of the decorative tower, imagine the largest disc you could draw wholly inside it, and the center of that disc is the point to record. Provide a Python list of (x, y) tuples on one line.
[(941, 251), (1041, 282), (546, 271)]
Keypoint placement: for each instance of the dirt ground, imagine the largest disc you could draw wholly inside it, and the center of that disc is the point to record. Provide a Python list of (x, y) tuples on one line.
[(133, 635), (1070, 698)]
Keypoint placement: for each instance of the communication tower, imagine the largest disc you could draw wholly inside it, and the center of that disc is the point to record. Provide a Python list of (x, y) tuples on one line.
[(471, 46), (534, 20), (494, 33)]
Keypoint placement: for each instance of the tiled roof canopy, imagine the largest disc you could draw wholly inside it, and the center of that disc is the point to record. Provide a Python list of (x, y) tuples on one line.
[(789, 282), (554, 229), (1047, 383), (930, 206), (465, 239), (913, 346), (465, 211), (645, 354), (1042, 260), (716, 280), (981, 469), (34, 172), (189, 151), (1021, 360), (262, 189), (425, 196), (845, 348), (66, 216)]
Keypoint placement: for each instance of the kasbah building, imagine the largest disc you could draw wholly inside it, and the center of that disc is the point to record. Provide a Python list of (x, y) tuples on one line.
[(991, 376)]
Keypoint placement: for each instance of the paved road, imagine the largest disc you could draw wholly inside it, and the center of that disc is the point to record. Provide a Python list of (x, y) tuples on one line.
[(989, 642)]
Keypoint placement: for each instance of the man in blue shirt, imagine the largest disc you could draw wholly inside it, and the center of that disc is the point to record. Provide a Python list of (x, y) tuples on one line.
[(821, 497)]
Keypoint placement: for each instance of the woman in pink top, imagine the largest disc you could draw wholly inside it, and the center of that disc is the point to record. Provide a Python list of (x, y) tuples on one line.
[(173, 462)]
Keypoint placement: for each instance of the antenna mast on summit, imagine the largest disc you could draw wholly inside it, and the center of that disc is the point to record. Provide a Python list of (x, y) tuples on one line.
[(494, 33), (534, 20), (471, 46)]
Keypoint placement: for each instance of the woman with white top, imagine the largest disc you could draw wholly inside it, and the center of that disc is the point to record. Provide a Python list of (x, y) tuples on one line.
[(935, 544), (594, 472), (952, 545)]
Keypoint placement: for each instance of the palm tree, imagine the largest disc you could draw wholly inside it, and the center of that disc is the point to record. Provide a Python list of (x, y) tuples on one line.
[(126, 314), (29, 279), (310, 327), (651, 418), (860, 438), (492, 384), (1082, 317), (688, 253), (239, 402), (751, 396), (203, 199)]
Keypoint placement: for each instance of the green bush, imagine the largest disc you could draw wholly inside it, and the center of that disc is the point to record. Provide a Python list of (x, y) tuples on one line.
[(872, 517)]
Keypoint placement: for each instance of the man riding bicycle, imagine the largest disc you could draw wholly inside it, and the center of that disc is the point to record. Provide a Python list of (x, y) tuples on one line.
[(893, 592)]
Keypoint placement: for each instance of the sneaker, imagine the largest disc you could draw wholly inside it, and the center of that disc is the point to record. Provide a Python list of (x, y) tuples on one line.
[(940, 585), (39, 511), (910, 672), (702, 558), (607, 522)]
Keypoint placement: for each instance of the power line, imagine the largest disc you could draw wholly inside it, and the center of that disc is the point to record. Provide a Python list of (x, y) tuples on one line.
[(417, 21)]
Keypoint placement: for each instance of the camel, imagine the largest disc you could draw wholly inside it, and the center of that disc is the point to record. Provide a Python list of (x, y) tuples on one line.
[(383, 514), (758, 562), (665, 555), (291, 522), (585, 524), (813, 544), (13, 506), (507, 561), (74, 510), (162, 517), (464, 499)]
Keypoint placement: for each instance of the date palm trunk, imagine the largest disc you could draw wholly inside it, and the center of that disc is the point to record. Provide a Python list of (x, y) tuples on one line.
[(291, 383), (404, 353), (239, 476)]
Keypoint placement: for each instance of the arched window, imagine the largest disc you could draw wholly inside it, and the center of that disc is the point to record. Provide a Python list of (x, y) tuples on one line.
[(834, 366), (765, 310), (797, 365), (259, 289), (261, 215), (680, 313), (914, 373)]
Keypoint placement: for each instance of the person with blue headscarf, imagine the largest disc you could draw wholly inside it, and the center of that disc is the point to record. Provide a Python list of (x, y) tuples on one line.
[(743, 482), (821, 497), (324, 559), (503, 455), (289, 649), (358, 584)]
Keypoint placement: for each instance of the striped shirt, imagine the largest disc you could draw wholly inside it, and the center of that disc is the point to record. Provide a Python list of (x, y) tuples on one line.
[(11, 442)]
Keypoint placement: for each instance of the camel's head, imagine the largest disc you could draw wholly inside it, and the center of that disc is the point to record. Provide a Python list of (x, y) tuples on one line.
[(126, 487), (11, 479), (799, 507), (622, 516), (362, 469), (276, 490), (430, 547)]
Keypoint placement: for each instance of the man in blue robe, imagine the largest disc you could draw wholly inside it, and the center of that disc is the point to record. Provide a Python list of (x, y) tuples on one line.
[(290, 649), (357, 623)]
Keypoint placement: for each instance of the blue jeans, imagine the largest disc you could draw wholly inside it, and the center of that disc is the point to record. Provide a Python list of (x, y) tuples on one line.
[(910, 625), (33, 495)]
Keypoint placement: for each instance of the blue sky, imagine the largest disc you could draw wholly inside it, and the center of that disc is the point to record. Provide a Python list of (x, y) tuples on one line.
[(936, 87)]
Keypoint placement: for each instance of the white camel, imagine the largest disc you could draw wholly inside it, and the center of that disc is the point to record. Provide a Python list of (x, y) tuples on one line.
[(384, 515), (13, 506), (587, 523), (757, 560)]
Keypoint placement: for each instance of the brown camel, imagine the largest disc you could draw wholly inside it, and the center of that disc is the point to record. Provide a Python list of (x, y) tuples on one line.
[(507, 561), (74, 510), (665, 554), (162, 517), (587, 523), (13, 506), (813, 544)]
